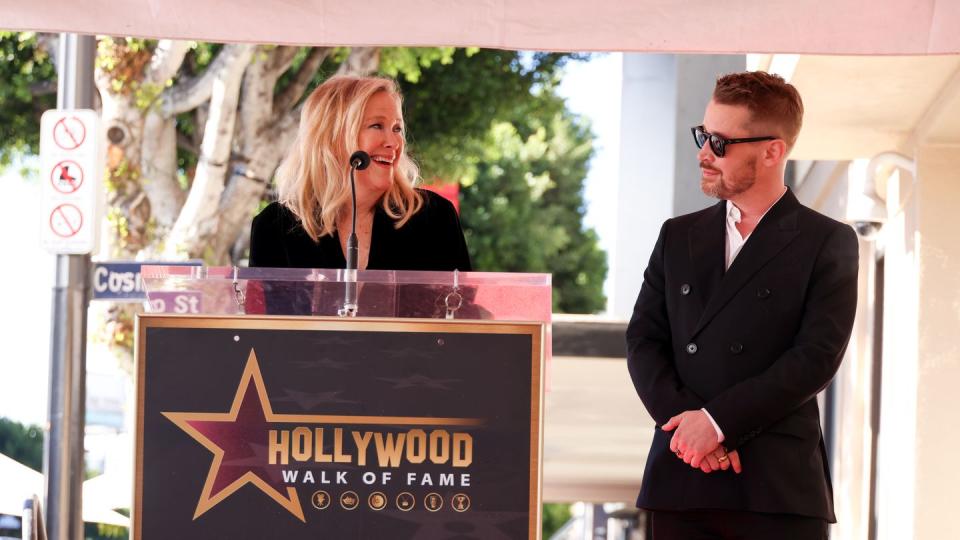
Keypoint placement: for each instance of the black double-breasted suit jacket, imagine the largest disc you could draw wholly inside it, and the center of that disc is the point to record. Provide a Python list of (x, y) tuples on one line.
[(753, 345)]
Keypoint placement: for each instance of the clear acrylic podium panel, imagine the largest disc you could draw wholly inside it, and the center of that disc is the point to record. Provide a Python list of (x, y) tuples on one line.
[(381, 293), (321, 292)]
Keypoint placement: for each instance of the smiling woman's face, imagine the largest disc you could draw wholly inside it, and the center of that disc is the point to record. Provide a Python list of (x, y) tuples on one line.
[(381, 136)]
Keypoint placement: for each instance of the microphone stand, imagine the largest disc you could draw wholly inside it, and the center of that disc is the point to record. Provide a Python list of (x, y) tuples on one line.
[(358, 161)]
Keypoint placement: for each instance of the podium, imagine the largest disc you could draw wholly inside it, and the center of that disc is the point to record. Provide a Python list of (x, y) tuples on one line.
[(263, 414)]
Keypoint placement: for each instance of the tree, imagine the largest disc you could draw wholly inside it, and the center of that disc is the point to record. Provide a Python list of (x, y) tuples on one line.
[(452, 106), (22, 443), (196, 130), (521, 159), (555, 516), (29, 88)]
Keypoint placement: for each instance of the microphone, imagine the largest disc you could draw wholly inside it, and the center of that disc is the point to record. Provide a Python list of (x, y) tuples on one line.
[(359, 161)]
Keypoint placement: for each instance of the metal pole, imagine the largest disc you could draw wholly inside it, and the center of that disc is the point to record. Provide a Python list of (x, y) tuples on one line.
[(63, 462)]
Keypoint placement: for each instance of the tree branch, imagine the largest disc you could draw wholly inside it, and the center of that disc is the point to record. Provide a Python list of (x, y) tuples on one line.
[(198, 221), (280, 60), (43, 88), (185, 143), (236, 209), (200, 115), (292, 94), (190, 93), (159, 168), (256, 97), (249, 183), (362, 61), (256, 114), (50, 44), (166, 61)]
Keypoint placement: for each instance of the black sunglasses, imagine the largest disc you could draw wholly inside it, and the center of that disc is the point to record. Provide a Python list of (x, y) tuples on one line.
[(717, 143)]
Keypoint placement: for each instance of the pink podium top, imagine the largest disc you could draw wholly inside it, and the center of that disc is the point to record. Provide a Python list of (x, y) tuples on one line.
[(321, 292)]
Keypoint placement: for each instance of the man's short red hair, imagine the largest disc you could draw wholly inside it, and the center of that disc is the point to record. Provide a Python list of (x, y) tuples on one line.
[(774, 104)]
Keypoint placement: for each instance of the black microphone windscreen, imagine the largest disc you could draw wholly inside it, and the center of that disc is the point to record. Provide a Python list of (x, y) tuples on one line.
[(359, 160)]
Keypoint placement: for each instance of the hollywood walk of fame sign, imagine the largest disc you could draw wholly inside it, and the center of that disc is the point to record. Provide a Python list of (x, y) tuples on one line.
[(268, 427)]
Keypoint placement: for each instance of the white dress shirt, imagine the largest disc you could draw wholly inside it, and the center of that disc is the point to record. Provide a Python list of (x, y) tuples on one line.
[(734, 244)]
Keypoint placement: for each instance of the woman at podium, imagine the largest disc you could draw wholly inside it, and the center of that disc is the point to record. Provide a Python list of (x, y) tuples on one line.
[(399, 227)]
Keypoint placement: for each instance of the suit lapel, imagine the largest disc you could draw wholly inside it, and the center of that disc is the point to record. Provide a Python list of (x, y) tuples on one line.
[(775, 231), (706, 242)]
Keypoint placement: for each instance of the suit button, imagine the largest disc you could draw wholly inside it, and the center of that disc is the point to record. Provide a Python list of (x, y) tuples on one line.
[(736, 348), (692, 348), (763, 292), (685, 289)]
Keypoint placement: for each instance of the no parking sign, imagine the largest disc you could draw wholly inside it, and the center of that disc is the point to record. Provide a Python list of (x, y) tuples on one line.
[(70, 169)]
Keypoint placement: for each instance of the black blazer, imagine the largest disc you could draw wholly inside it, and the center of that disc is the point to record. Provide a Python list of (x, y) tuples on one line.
[(753, 345), (431, 240)]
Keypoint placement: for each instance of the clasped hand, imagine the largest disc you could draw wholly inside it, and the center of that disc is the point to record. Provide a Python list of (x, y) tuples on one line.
[(695, 442)]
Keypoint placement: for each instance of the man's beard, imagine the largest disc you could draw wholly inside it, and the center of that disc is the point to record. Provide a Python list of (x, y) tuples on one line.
[(722, 188)]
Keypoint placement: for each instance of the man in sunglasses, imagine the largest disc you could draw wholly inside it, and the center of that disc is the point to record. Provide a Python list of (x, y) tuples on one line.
[(744, 314)]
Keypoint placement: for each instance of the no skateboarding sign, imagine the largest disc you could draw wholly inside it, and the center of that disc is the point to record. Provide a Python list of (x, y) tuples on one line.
[(69, 158), (66, 176)]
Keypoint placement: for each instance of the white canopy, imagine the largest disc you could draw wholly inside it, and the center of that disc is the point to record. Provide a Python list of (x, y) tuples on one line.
[(729, 26), (19, 482)]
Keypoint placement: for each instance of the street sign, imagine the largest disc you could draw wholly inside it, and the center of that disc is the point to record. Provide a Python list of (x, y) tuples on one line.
[(180, 302), (70, 159), (119, 281)]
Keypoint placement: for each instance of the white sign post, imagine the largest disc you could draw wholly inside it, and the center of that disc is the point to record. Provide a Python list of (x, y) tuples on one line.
[(70, 174)]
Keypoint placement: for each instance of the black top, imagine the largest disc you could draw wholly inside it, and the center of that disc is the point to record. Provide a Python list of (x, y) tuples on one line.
[(431, 240)]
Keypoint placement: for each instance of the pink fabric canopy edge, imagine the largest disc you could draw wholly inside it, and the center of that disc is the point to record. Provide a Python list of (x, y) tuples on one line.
[(727, 26)]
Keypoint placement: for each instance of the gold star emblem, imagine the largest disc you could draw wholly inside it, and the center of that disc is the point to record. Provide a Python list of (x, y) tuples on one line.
[(218, 433), (238, 441)]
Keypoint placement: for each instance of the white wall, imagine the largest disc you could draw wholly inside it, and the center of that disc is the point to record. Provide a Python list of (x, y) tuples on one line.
[(938, 349), (647, 150), (896, 456), (662, 97), (696, 75)]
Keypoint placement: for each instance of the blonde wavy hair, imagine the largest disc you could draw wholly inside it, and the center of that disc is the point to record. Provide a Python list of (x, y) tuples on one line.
[(313, 180)]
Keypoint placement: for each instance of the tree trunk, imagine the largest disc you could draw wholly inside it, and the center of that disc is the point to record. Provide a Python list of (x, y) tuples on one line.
[(267, 127), (198, 222), (265, 139), (361, 62)]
